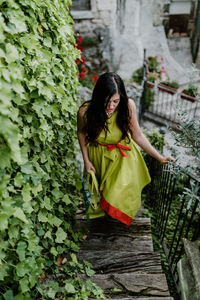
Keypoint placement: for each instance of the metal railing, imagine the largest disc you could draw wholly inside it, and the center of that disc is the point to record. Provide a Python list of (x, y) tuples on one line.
[(144, 86), (169, 103), (177, 215)]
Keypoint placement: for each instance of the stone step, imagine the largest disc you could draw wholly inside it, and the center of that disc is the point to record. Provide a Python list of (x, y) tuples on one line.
[(110, 234), (118, 242), (132, 283), (116, 261), (139, 226)]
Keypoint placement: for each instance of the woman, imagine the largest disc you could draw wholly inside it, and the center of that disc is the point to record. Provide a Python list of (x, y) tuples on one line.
[(108, 132)]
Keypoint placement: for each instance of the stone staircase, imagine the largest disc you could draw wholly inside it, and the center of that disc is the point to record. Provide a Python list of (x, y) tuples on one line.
[(123, 258)]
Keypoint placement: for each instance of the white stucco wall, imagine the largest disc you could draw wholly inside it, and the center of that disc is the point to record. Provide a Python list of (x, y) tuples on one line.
[(132, 27)]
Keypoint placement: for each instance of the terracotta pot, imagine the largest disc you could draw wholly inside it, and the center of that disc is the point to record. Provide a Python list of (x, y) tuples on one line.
[(150, 85), (167, 89), (187, 97)]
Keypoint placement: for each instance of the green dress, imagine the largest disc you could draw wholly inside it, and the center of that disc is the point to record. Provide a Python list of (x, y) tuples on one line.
[(121, 174)]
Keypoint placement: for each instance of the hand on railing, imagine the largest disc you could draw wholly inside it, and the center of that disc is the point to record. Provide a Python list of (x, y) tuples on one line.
[(165, 160)]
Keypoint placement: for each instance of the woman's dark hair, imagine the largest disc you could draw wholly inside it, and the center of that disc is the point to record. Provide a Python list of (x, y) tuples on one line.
[(107, 85)]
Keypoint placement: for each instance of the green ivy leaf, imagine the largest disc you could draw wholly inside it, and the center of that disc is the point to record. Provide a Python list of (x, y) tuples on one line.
[(69, 288), (8, 295), (3, 221), (60, 235), (11, 53), (20, 215), (21, 250), (24, 284)]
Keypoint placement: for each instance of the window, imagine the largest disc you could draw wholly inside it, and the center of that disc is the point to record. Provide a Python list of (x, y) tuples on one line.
[(80, 5)]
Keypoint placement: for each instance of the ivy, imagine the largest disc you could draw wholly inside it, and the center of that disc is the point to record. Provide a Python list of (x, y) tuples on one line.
[(38, 173)]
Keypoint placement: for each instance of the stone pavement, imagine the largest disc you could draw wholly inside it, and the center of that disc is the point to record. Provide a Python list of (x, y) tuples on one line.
[(123, 258)]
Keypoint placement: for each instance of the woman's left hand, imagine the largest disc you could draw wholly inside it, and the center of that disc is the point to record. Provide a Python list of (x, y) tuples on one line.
[(166, 160)]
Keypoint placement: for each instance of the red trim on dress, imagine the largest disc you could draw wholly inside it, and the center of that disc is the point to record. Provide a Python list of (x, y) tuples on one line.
[(111, 147), (114, 212)]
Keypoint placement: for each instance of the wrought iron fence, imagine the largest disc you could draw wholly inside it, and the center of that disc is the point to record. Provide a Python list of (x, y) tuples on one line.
[(169, 103), (177, 212)]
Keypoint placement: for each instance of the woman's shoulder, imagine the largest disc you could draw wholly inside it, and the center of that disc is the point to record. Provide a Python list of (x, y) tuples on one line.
[(83, 108), (131, 104)]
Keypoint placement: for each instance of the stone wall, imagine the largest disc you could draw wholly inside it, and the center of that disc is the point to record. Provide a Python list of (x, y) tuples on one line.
[(123, 29)]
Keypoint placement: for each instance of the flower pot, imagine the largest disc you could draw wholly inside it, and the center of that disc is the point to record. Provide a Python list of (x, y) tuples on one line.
[(167, 89), (187, 97), (150, 85)]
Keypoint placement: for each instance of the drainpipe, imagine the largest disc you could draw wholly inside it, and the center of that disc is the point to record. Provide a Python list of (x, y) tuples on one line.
[(197, 31)]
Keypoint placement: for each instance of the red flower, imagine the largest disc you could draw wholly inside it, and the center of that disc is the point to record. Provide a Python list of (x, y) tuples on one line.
[(79, 39), (83, 60), (84, 70), (80, 48), (81, 75), (95, 78), (77, 61), (154, 58)]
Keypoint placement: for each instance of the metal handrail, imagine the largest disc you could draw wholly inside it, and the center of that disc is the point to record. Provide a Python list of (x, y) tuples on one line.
[(187, 223)]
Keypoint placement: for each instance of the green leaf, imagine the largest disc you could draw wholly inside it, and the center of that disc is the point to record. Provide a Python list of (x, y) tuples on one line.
[(21, 250), (89, 271), (19, 180), (26, 193), (47, 204), (8, 295), (27, 168), (42, 216), (53, 251), (24, 284), (57, 193), (20, 215), (60, 235), (22, 269), (66, 199), (74, 258), (69, 288), (11, 53), (3, 221)]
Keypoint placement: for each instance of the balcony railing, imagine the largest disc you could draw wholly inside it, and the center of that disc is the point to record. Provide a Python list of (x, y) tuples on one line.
[(176, 204), (168, 104)]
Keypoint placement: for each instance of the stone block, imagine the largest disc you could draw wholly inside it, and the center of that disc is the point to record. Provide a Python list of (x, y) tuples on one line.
[(106, 17), (105, 4)]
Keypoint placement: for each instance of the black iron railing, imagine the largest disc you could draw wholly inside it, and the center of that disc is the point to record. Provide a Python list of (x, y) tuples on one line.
[(169, 103), (144, 85), (175, 198)]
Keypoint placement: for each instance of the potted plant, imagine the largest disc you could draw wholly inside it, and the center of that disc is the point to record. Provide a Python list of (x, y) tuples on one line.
[(168, 86), (190, 93), (151, 77), (153, 64)]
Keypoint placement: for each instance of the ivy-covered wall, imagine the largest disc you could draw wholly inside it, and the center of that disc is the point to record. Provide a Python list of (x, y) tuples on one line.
[(38, 177)]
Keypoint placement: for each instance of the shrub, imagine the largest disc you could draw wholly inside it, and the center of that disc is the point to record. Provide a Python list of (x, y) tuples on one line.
[(149, 98), (138, 75)]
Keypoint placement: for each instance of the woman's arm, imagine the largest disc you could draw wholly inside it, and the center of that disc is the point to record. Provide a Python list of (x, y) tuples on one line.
[(82, 140), (140, 138)]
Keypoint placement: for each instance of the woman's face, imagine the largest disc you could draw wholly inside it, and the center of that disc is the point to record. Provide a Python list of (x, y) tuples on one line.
[(113, 103)]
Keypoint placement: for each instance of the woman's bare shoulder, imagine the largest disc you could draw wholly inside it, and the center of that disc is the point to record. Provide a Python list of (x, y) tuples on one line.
[(131, 105), (83, 108)]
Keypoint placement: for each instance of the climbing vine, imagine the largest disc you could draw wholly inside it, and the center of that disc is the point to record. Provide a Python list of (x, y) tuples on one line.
[(38, 174)]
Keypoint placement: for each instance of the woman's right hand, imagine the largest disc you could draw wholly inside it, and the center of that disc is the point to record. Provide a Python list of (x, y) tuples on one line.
[(89, 166)]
